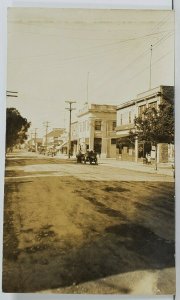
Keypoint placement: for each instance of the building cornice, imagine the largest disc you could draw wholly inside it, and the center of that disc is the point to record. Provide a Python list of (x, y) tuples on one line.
[(138, 100)]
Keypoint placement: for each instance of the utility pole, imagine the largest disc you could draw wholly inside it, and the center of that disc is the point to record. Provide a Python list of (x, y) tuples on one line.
[(46, 124), (87, 87), (70, 110), (150, 67), (35, 138), (31, 138)]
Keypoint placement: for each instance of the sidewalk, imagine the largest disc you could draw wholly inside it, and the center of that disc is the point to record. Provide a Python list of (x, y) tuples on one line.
[(162, 168)]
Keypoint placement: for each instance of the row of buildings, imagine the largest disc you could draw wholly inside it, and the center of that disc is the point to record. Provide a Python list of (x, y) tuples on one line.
[(105, 128)]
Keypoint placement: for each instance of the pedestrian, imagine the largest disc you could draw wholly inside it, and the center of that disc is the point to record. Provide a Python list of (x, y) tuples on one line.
[(148, 159)]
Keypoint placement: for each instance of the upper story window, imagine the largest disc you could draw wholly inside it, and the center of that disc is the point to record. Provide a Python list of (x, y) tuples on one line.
[(153, 105), (121, 119), (141, 109), (113, 125), (98, 125)]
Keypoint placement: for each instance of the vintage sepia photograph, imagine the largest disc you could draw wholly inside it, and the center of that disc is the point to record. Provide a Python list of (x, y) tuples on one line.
[(89, 187)]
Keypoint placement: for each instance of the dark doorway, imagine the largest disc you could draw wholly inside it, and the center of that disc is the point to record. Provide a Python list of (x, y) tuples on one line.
[(97, 145), (143, 149)]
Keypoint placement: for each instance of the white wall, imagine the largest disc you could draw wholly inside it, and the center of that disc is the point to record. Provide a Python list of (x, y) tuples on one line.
[(125, 115)]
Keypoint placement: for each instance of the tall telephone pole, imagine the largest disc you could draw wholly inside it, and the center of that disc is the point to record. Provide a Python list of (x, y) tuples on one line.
[(31, 137), (70, 108), (46, 124), (150, 71), (87, 87), (35, 138)]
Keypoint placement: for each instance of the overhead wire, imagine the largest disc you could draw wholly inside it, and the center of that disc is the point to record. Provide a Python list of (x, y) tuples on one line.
[(146, 68), (163, 21), (86, 56), (100, 46)]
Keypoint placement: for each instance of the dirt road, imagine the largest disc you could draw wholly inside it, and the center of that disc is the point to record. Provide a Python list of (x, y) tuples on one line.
[(90, 231)]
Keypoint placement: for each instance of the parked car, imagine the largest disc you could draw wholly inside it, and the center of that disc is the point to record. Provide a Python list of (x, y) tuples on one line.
[(89, 156)]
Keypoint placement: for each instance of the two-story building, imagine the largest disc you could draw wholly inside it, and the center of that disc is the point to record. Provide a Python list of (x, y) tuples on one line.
[(53, 138), (33, 144), (126, 113), (96, 129)]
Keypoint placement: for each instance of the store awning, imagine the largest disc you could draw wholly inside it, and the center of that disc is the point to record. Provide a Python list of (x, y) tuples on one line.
[(61, 146)]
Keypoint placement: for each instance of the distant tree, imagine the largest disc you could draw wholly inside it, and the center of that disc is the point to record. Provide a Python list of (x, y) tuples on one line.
[(156, 125), (16, 128)]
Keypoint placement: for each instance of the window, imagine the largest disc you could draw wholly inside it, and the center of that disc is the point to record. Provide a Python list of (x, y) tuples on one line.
[(153, 105), (121, 119), (129, 117), (98, 125), (113, 141), (113, 125), (141, 109)]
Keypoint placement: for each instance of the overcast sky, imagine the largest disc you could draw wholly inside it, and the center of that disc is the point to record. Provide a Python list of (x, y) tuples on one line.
[(51, 52)]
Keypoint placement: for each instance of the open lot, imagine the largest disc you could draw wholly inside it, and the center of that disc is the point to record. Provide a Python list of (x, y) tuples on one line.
[(72, 228)]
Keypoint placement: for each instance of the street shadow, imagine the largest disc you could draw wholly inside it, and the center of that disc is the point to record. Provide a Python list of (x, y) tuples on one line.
[(120, 249), (35, 161), (53, 261)]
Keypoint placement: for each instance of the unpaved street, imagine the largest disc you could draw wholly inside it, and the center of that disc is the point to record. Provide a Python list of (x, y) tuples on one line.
[(72, 228)]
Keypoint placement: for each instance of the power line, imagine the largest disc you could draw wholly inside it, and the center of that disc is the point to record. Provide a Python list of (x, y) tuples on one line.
[(165, 37), (91, 48), (139, 57), (140, 72), (160, 24)]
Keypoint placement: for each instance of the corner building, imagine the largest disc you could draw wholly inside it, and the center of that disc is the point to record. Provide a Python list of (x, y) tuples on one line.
[(96, 129)]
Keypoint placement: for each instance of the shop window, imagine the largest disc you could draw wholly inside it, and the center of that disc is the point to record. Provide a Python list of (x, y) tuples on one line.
[(113, 141)]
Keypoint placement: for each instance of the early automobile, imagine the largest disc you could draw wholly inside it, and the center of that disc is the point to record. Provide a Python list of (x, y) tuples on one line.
[(89, 156)]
